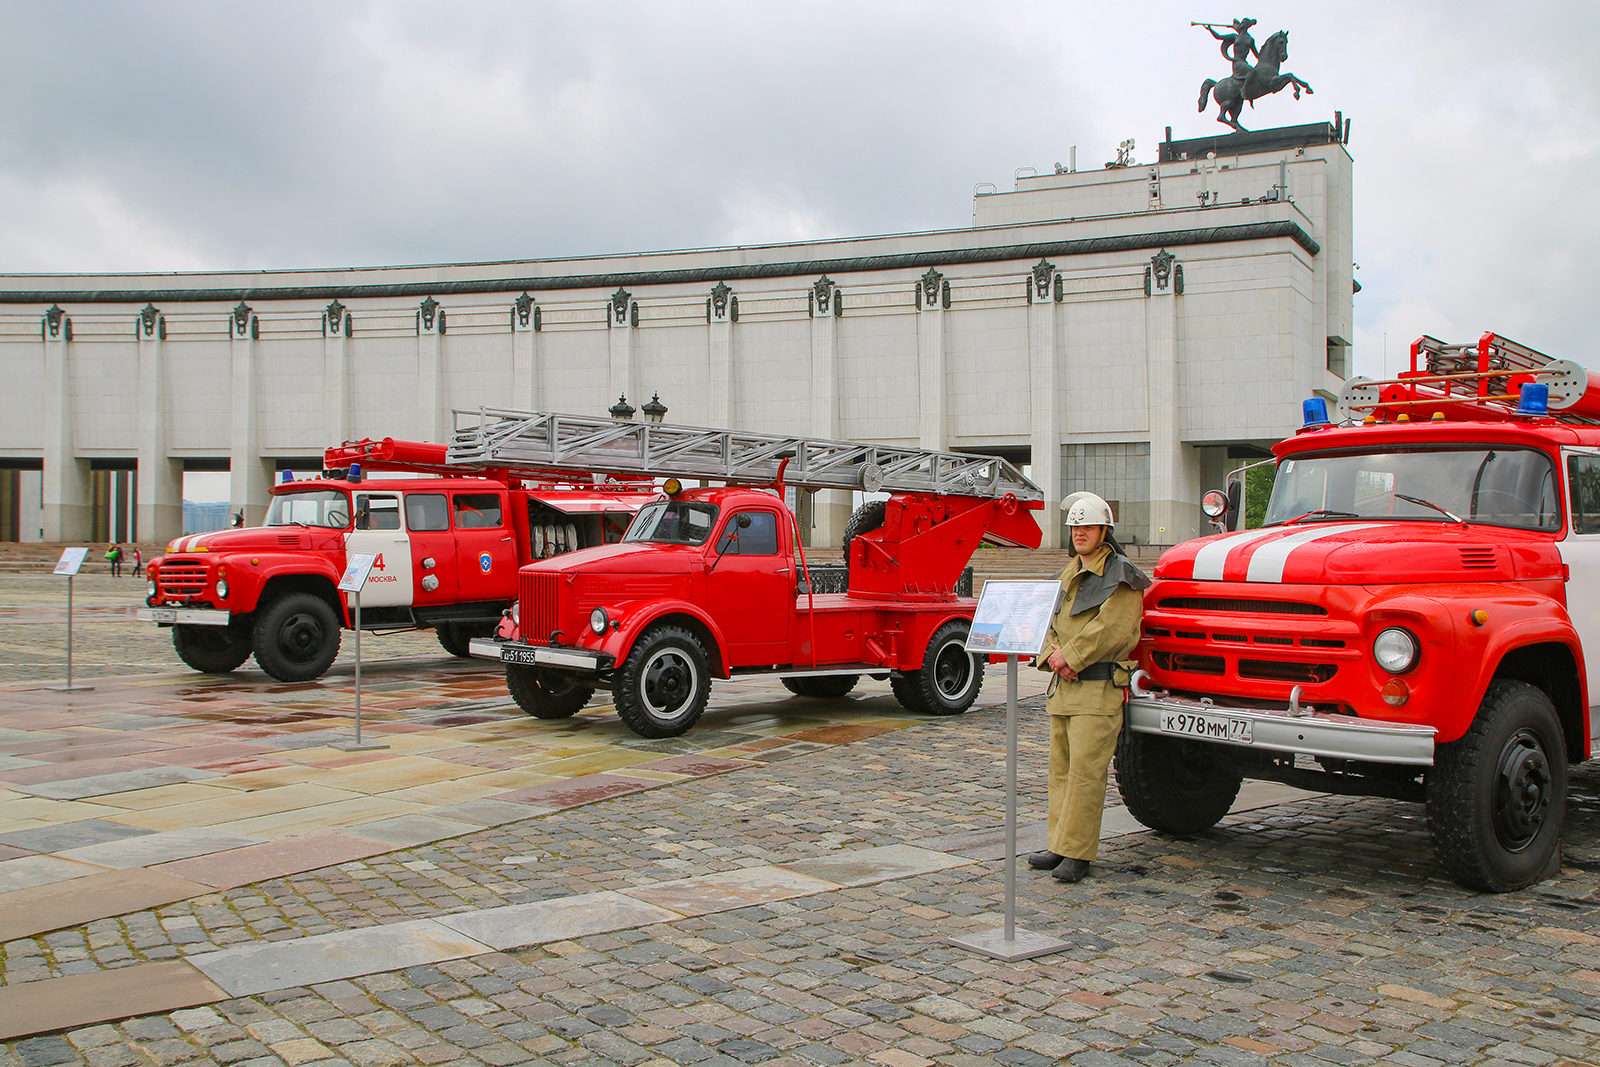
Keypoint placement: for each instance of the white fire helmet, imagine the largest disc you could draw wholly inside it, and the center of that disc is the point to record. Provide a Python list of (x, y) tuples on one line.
[(1086, 509)]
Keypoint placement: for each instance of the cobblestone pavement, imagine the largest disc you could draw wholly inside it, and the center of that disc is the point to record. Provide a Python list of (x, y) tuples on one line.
[(1311, 931)]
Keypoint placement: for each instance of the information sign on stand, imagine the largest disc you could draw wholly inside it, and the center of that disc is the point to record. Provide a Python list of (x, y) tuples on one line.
[(1012, 619), (355, 576), (67, 566)]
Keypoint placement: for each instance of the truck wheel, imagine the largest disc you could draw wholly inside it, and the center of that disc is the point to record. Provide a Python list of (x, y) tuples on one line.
[(456, 637), (1497, 798), (662, 687), (949, 679), (1175, 786), (546, 694), (296, 637), (210, 649), (829, 687)]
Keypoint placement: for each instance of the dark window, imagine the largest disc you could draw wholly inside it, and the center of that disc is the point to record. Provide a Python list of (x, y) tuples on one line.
[(377, 512), (758, 538), (477, 511), (1584, 474), (426, 511)]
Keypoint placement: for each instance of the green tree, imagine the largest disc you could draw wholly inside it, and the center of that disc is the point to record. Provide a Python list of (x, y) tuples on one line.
[(1257, 489)]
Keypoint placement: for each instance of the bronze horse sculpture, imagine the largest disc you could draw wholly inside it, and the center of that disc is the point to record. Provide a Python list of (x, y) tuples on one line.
[(1263, 80)]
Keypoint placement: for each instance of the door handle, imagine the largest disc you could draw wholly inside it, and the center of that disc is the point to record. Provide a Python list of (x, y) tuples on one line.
[(504, 539), (783, 570)]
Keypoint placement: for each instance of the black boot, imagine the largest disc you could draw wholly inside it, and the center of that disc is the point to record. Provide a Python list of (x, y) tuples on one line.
[(1070, 870), (1044, 861)]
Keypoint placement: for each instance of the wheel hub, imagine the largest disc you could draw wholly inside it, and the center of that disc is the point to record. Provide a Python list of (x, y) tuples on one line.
[(951, 670), (301, 636), (1522, 791), (667, 681)]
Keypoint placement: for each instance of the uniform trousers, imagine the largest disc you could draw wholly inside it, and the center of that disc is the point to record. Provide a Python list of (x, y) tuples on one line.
[(1081, 747)]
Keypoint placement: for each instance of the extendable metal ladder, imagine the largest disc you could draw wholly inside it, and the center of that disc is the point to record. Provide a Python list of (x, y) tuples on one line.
[(552, 442)]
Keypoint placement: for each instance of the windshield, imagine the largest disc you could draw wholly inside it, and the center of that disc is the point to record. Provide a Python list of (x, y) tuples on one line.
[(672, 522), (1499, 487), (319, 507)]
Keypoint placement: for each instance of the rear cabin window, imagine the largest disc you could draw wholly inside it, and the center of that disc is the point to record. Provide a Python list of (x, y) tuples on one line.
[(1583, 473), (760, 538), (477, 511), (426, 511)]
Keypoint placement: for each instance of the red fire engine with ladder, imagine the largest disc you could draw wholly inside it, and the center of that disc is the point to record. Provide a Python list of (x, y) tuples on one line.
[(448, 547), (1418, 618), (713, 582)]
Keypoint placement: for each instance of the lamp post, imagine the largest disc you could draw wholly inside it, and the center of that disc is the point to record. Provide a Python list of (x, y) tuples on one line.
[(655, 410), (622, 409)]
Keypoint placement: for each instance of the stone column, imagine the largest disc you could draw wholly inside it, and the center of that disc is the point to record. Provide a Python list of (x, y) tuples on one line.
[(1174, 467), (933, 299), (525, 381), (622, 315), (160, 514), (722, 311), (432, 420), (830, 508), (249, 475), (1044, 416), (68, 501), (336, 330)]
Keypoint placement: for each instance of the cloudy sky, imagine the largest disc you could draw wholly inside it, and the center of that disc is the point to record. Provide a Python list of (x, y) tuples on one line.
[(221, 135)]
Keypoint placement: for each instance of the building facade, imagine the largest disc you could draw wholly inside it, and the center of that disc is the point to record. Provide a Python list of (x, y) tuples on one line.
[(1137, 330)]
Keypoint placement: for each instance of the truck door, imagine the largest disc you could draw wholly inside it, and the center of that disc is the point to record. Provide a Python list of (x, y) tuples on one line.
[(751, 588), (433, 549), (1580, 551), (377, 530), (486, 556)]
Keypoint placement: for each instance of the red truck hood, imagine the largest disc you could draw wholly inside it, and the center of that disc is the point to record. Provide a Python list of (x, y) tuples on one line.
[(256, 539), (635, 558), (1363, 552)]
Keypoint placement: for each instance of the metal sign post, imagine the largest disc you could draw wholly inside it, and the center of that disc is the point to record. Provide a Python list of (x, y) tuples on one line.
[(68, 565), (1012, 618), (355, 576)]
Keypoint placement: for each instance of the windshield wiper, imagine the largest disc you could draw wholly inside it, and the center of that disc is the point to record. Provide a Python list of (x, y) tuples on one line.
[(1430, 504), (1323, 512)]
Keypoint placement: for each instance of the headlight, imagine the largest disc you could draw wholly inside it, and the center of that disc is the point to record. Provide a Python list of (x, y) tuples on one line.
[(1395, 650), (222, 589), (516, 612), (598, 621), (150, 588)]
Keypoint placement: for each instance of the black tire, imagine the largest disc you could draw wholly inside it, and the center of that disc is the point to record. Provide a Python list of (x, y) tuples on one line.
[(1172, 785), (453, 638), (1497, 798), (949, 679), (296, 637), (210, 649), (546, 694), (827, 687), (662, 687), (867, 517)]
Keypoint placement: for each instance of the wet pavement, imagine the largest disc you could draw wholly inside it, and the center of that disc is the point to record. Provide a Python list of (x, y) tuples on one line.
[(192, 872)]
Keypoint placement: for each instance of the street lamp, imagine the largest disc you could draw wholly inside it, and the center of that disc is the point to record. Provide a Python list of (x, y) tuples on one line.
[(622, 409), (655, 410)]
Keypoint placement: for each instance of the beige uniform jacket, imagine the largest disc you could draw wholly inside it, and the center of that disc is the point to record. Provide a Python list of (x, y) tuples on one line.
[(1097, 635)]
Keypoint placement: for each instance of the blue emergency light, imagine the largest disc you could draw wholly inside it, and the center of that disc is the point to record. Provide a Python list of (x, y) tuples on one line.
[(355, 472), (1314, 409), (1534, 399), (288, 476)]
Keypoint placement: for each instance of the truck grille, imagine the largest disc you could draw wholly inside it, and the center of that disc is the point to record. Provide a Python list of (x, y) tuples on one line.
[(1264, 607), (538, 605), (181, 578)]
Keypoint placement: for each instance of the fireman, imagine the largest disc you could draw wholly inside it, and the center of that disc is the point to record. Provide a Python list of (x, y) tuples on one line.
[(1094, 631)]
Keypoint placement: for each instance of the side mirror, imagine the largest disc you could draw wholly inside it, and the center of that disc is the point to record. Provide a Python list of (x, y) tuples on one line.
[(1235, 492)]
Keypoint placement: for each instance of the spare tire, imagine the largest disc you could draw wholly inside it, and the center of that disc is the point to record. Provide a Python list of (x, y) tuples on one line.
[(867, 517)]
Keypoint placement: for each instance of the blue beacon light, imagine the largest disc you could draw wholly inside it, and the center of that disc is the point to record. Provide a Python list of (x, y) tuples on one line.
[(1533, 399), (288, 476), (355, 472), (1315, 412)]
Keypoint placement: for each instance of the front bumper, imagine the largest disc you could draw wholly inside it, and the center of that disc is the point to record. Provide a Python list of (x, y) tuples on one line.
[(581, 660), (1279, 729), (185, 616)]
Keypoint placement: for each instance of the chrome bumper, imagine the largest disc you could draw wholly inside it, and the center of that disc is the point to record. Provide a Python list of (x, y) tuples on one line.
[(1288, 729), (185, 616), (567, 659)]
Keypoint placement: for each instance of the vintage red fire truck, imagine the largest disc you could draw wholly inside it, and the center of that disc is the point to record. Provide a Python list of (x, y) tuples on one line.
[(447, 546), (712, 582), (1418, 618)]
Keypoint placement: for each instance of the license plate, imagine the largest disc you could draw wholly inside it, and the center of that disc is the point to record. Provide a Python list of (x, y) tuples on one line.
[(163, 614), (1210, 727), (517, 655)]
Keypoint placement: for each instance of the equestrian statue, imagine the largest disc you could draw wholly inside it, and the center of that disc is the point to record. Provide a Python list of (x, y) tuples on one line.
[(1247, 83)]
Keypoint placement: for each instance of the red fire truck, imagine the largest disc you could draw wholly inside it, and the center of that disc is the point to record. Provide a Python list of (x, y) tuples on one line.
[(1418, 618), (447, 546), (713, 581)]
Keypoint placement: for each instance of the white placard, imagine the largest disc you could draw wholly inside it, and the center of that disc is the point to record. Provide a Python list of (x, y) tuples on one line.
[(71, 559), (355, 571), (1013, 617)]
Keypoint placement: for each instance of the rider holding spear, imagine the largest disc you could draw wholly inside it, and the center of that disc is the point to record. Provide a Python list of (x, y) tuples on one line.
[(1238, 47)]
